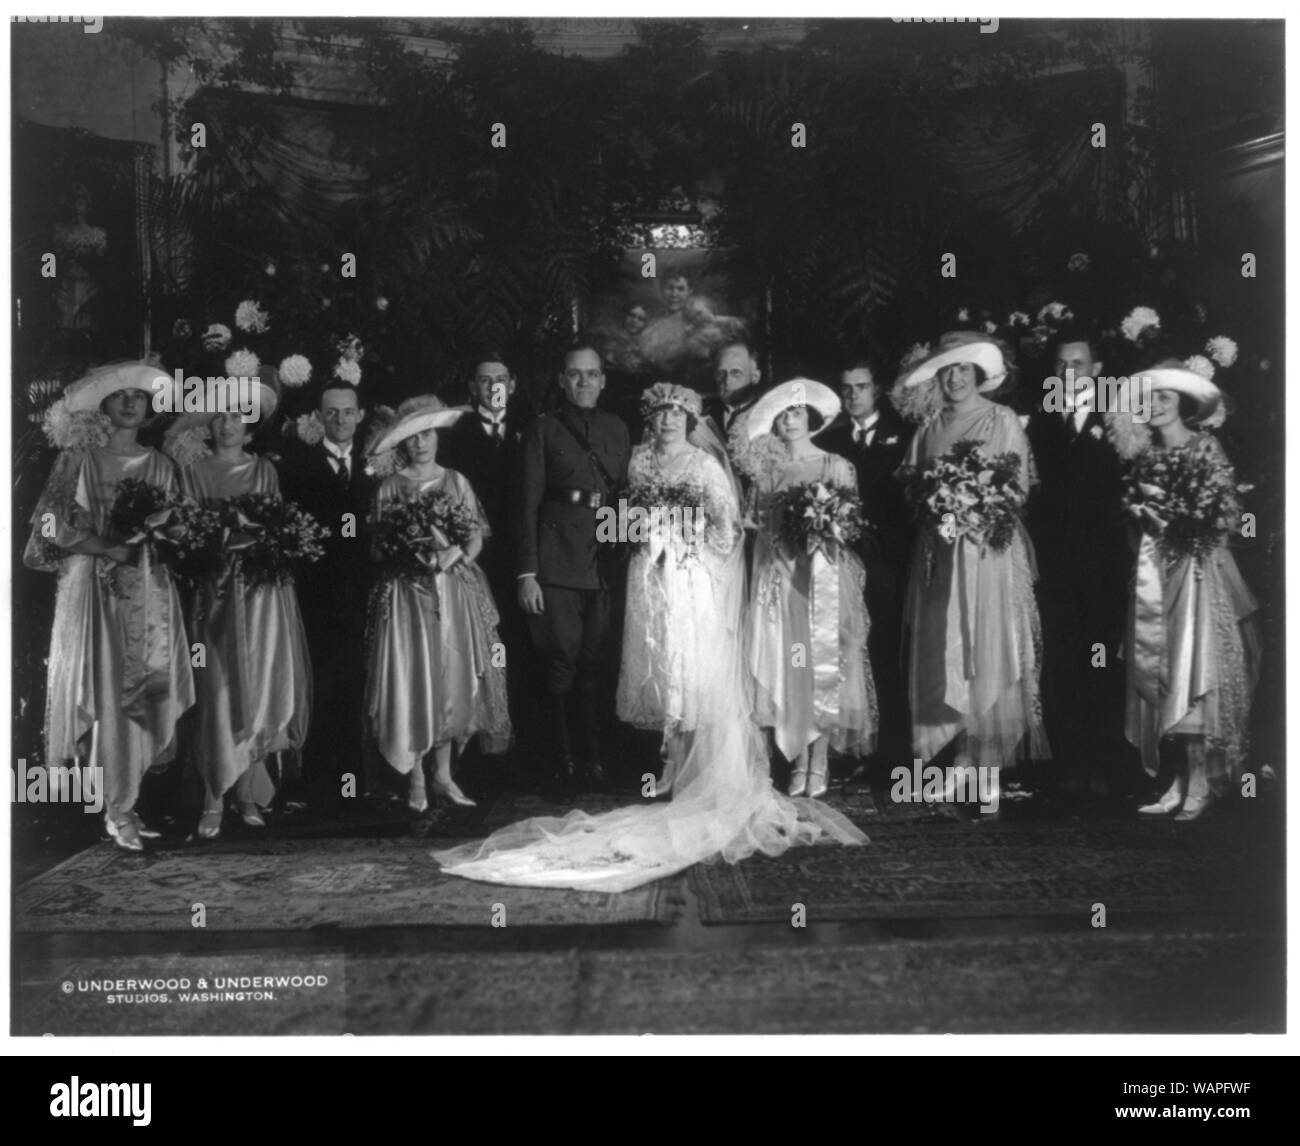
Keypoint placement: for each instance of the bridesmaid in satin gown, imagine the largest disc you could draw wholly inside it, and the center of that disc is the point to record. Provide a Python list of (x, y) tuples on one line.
[(119, 674), (254, 693), (809, 604), (435, 678), (970, 622), (1192, 655)]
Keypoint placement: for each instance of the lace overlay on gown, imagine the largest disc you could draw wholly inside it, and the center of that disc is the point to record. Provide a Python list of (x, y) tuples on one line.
[(723, 804), (677, 601)]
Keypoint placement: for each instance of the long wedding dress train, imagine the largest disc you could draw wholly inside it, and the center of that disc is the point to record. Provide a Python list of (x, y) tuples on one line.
[(723, 803)]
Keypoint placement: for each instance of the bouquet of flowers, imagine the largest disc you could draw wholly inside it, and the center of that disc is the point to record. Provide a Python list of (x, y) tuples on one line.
[(197, 535), (186, 536), (1190, 491), (669, 507), (815, 516), (414, 536), (968, 492), (142, 512), (269, 535), (659, 494)]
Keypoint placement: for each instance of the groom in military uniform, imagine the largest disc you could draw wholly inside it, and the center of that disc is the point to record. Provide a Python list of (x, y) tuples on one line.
[(571, 462)]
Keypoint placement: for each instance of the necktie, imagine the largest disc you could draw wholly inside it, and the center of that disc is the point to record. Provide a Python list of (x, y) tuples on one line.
[(494, 428), (860, 436), (341, 470)]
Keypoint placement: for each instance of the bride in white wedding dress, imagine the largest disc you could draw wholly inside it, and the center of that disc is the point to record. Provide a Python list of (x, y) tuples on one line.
[(682, 673)]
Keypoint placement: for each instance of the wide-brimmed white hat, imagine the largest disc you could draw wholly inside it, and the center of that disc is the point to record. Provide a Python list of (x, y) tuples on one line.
[(268, 385), (1171, 374), (796, 392), (88, 392), (414, 416), (960, 346)]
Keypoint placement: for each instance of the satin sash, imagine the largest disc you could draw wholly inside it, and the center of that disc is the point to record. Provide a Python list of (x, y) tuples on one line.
[(959, 650), (1149, 677), (824, 626)]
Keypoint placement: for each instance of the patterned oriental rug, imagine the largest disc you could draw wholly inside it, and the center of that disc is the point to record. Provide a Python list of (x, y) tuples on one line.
[(296, 884), (943, 869)]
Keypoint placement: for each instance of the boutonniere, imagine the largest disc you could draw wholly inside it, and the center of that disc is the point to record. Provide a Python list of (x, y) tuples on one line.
[(1024, 421), (1096, 431), (892, 440)]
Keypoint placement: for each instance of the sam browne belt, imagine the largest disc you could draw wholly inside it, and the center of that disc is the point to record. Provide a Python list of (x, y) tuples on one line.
[(591, 498)]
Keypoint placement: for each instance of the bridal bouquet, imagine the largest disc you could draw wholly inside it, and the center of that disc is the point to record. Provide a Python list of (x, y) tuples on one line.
[(1189, 491), (268, 536), (815, 516), (413, 536), (659, 494), (967, 492)]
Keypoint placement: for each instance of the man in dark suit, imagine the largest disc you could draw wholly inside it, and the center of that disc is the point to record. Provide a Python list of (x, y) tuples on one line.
[(874, 438), (1076, 522), (737, 377), (484, 446), (329, 481), (571, 462)]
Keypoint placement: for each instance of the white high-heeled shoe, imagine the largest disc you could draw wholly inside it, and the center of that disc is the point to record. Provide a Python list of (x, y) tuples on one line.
[(1170, 802), (417, 798), (452, 794)]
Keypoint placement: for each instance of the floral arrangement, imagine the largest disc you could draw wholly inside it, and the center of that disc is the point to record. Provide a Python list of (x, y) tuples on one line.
[(916, 404), (1191, 491), (269, 535), (1051, 319), (815, 516), (252, 318), (295, 371), (308, 428), (411, 536), (196, 536), (243, 364), (186, 536), (217, 337), (967, 492), (348, 370), (1222, 349), (188, 446), (661, 494), (74, 429), (141, 512), (1141, 322)]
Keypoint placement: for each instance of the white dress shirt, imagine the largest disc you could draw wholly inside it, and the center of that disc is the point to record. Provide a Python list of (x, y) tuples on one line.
[(340, 454), (865, 430), (494, 422)]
